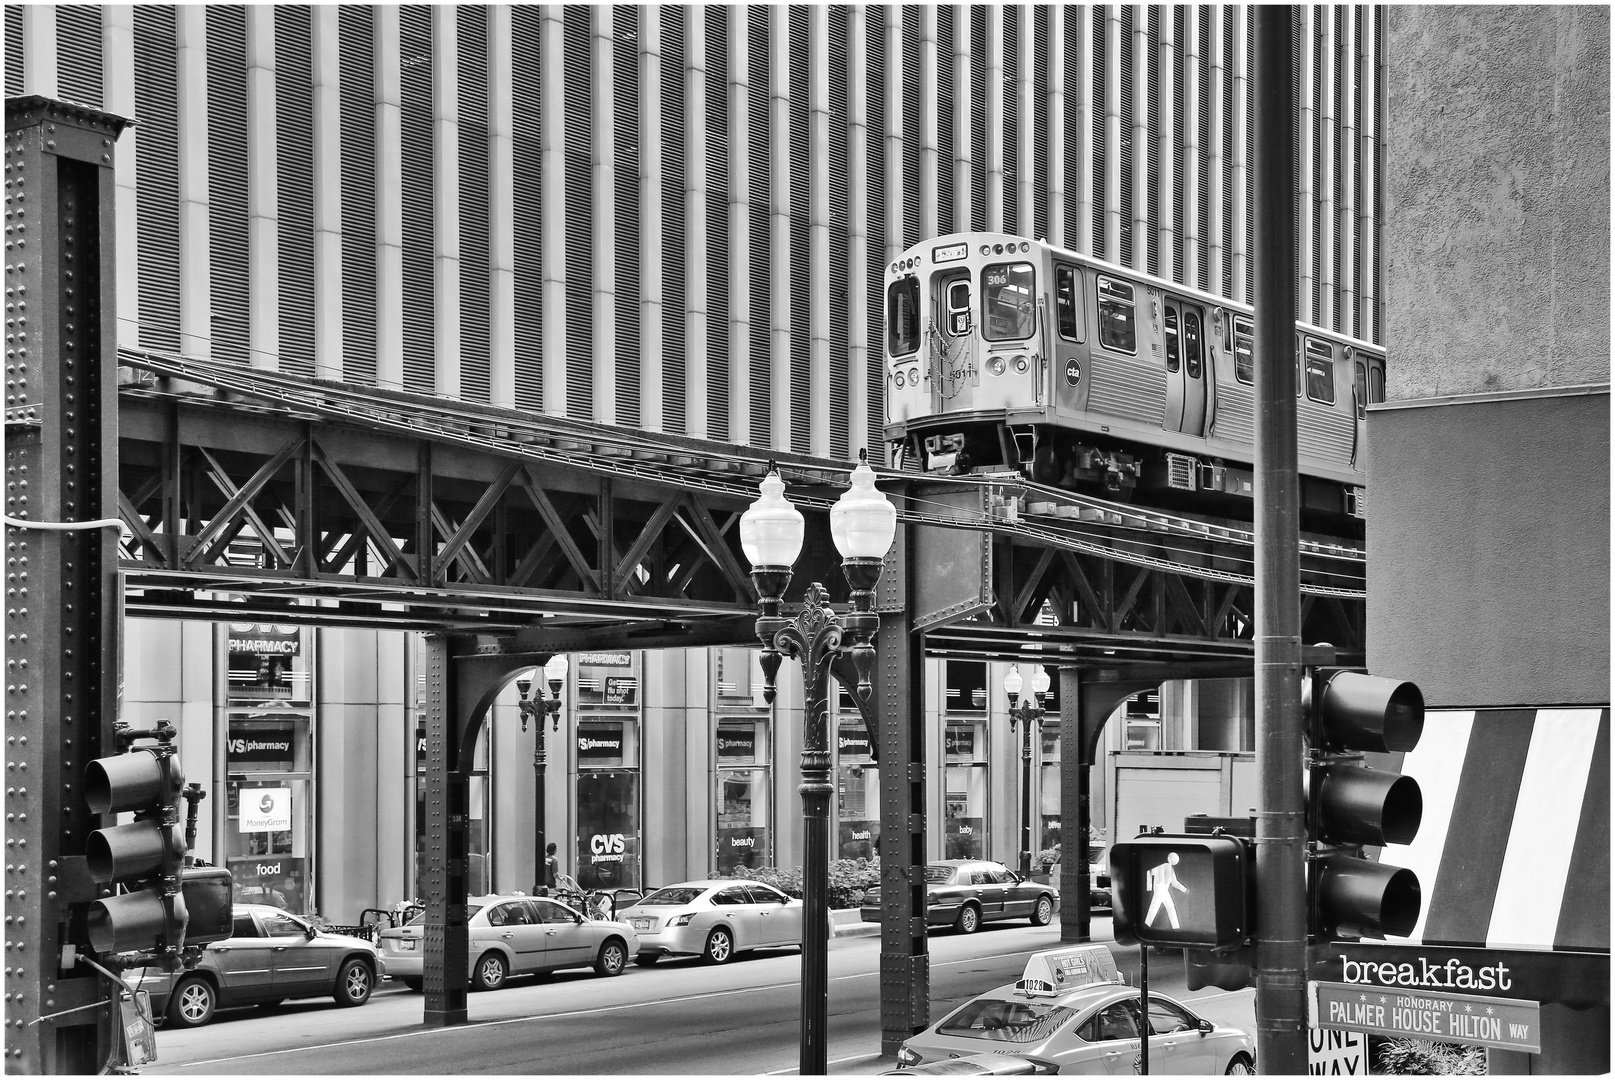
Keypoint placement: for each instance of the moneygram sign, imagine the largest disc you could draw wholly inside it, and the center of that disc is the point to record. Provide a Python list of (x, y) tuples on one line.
[(1505, 1023)]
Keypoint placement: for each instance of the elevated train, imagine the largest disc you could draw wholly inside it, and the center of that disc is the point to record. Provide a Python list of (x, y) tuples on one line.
[(1009, 354)]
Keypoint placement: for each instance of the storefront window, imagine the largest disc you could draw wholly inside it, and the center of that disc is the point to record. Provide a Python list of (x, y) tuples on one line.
[(269, 662), (966, 689), (1142, 722), (742, 795), (607, 854), (857, 791), (479, 826), (965, 791), (1048, 799)]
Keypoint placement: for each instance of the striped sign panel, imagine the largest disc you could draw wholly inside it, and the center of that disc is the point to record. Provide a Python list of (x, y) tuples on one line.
[(1514, 848)]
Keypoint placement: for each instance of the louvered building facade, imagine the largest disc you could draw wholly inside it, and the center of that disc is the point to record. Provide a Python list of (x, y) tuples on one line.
[(676, 218), (668, 218)]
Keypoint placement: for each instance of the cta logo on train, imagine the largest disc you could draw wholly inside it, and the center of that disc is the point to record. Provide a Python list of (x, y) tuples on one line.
[(1007, 354)]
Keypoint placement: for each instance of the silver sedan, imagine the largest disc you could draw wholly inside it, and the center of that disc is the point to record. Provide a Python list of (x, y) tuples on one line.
[(714, 920), (515, 935)]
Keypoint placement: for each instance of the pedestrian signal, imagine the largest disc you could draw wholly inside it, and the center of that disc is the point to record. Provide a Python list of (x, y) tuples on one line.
[(1351, 806), (1182, 891), (143, 857)]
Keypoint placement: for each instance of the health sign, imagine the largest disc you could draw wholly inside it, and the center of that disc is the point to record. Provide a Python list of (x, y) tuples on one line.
[(1505, 1023)]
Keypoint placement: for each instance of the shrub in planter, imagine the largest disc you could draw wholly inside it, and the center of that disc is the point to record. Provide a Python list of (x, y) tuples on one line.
[(849, 880), (1415, 1057)]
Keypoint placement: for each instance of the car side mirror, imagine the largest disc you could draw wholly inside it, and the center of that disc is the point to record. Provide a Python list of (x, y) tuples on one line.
[(1206, 1027)]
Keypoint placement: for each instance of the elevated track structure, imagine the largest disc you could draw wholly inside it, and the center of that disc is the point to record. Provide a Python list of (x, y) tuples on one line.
[(164, 486)]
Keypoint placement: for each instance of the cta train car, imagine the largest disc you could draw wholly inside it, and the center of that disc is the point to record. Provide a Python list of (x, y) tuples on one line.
[(1007, 354)]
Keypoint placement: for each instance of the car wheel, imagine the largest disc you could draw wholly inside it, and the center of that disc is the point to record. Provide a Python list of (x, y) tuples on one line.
[(415, 984), (969, 920), (192, 1003), (354, 982), (720, 947), (489, 974), (646, 959), (1042, 911), (613, 957), (1241, 1065)]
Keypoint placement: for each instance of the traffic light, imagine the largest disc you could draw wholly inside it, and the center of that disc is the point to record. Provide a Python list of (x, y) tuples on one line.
[(144, 857), (1181, 891), (1350, 806)]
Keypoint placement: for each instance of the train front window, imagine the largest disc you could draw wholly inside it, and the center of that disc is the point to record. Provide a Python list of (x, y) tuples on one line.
[(1170, 330), (1191, 343), (903, 316), (1067, 297), (1320, 371), (1116, 327), (1360, 387), (959, 307), (1244, 354), (1011, 305)]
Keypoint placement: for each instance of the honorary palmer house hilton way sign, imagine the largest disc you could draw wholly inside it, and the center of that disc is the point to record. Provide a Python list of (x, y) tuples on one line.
[(1422, 1014)]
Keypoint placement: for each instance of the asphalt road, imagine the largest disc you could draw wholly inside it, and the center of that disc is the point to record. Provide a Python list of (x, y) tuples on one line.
[(681, 1017)]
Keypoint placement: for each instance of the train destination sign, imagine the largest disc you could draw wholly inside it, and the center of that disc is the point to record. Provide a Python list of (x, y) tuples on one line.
[(1506, 1023)]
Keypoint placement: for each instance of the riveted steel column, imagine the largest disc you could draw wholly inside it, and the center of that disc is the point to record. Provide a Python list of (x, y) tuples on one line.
[(905, 972), (61, 584), (444, 872)]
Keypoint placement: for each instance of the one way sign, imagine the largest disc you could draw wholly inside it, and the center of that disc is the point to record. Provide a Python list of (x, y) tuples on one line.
[(1337, 1053)]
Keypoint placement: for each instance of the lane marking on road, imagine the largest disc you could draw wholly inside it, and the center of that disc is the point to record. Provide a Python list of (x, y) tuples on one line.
[(479, 1024)]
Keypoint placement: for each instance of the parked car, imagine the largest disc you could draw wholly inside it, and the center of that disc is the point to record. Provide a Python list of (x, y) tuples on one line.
[(1070, 1008), (965, 893), (714, 920), (271, 955), (515, 935)]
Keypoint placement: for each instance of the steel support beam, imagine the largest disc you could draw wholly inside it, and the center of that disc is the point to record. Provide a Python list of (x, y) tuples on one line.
[(62, 611), (905, 974)]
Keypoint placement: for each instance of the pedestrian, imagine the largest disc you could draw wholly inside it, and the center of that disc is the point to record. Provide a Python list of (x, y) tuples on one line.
[(552, 867)]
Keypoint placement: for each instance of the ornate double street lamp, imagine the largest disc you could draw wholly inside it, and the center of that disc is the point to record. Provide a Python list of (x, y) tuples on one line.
[(862, 524), (1026, 713), (555, 674)]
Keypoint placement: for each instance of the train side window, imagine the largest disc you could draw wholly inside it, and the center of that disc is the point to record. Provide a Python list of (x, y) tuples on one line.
[(1067, 297), (1376, 380), (1191, 343), (1244, 352), (903, 316), (1116, 327), (1320, 371), (1011, 304), (959, 307), (1170, 331)]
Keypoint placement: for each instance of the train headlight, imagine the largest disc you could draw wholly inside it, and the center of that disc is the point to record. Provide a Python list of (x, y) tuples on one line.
[(995, 364), (914, 376), (1021, 364), (898, 377)]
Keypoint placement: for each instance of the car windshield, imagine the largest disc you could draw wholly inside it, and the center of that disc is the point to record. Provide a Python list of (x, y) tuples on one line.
[(938, 875), (675, 895), (1006, 1021)]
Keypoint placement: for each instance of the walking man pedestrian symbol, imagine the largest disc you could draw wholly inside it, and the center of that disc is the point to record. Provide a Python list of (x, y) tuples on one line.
[(1163, 879)]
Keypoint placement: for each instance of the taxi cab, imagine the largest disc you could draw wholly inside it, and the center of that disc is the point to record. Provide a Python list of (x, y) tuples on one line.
[(1071, 1008)]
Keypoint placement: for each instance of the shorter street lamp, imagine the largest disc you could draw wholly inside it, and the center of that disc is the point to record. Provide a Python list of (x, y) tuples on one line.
[(862, 524), (1026, 713), (555, 674)]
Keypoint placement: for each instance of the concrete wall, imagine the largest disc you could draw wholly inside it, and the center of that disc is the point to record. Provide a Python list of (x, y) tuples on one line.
[(1488, 548), (1497, 226)]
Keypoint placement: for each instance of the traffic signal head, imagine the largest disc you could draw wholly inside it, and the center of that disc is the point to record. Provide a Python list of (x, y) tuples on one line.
[(144, 856), (1351, 806)]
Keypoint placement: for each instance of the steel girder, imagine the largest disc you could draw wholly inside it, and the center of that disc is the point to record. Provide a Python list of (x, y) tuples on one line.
[(241, 513)]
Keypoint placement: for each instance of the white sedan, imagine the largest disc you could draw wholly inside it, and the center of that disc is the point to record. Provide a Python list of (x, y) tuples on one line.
[(713, 920), (516, 935)]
